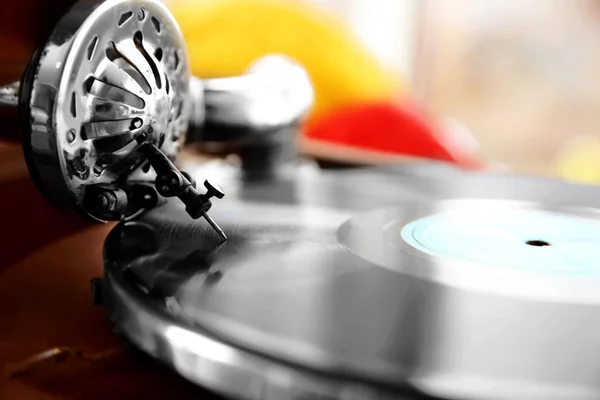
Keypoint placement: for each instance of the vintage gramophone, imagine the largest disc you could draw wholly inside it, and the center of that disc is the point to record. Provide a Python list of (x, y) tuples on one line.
[(108, 102)]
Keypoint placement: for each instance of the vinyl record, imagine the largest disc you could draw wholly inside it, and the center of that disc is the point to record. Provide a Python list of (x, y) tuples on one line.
[(397, 282)]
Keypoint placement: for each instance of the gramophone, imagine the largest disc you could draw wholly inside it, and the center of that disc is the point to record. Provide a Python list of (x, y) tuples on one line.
[(108, 102)]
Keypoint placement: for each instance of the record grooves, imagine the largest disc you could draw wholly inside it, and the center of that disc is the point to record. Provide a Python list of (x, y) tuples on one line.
[(373, 282)]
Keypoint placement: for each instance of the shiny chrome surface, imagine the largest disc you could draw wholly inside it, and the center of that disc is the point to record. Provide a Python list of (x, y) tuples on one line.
[(9, 95), (275, 92), (313, 294), (115, 69), (110, 70)]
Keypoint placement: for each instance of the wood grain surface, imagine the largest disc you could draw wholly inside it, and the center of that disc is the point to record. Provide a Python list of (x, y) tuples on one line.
[(46, 262)]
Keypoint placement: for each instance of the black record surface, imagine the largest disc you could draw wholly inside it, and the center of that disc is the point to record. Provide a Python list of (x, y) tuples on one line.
[(305, 280)]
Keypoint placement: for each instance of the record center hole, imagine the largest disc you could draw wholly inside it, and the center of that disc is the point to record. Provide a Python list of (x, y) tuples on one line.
[(538, 243)]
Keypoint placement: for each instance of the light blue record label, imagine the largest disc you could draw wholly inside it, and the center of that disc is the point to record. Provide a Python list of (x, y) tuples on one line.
[(533, 240)]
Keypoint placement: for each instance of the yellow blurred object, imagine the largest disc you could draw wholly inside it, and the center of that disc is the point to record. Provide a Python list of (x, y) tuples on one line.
[(580, 161), (225, 36)]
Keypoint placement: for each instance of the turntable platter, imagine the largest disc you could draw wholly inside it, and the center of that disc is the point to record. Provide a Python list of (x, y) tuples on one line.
[(372, 283)]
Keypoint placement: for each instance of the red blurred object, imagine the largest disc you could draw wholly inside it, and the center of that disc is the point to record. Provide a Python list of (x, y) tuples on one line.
[(389, 128)]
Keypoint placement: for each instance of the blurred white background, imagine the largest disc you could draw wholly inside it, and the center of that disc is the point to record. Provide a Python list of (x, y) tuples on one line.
[(523, 76)]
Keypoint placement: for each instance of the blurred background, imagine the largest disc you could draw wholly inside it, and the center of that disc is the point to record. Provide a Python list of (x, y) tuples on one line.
[(500, 84), (512, 83)]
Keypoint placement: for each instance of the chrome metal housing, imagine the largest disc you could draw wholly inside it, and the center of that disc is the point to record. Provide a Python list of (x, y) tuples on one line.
[(110, 70)]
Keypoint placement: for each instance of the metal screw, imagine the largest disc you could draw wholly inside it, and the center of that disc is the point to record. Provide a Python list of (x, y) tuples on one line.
[(212, 190), (71, 135), (106, 202), (169, 183)]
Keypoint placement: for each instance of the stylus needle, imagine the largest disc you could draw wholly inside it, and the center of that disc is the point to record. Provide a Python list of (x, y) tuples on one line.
[(214, 225)]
